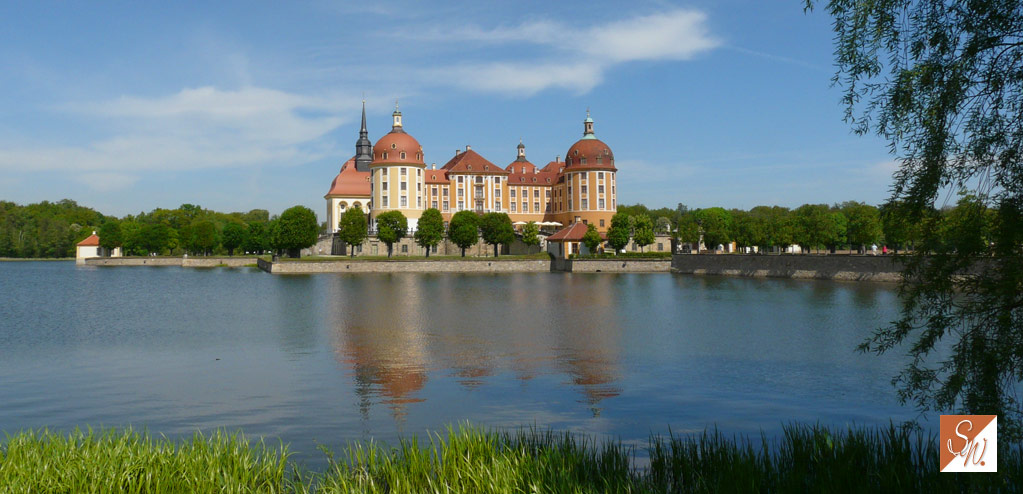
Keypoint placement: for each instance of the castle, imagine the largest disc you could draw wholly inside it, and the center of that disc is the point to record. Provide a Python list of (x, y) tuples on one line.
[(393, 175)]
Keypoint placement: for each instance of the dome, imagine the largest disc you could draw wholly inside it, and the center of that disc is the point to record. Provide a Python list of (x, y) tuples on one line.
[(590, 153), (393, 145)]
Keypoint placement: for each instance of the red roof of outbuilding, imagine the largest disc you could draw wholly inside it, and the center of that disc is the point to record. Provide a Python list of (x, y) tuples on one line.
[(350, 182), (90, 241), (571, 233)]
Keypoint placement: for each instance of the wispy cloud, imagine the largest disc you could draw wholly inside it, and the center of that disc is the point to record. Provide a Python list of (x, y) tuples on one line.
[(576, 58), (195, 128)]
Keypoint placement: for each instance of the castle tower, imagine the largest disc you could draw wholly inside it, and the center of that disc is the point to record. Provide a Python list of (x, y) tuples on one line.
[(396, 174), (363, 147)]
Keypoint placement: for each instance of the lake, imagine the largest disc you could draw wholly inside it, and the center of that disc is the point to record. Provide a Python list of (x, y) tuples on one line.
[(325, 359)]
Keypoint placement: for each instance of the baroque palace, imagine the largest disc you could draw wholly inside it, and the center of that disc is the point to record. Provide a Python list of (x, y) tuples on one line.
[(393, 175)]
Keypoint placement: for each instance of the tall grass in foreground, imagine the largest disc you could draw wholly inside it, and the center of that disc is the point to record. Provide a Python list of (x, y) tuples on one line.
[(131, 462), (471, 459)]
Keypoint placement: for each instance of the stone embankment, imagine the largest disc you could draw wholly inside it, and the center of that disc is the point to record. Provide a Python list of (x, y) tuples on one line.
[(407, 266), (826, 267), (186, 262), (611, 265)]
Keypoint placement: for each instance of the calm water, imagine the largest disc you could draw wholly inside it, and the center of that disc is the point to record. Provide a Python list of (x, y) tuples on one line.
[(325, 359)]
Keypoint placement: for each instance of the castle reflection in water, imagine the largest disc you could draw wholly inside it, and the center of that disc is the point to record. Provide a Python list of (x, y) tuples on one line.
[(396, 332)]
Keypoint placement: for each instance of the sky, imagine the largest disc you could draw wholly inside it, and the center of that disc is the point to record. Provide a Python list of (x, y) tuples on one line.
[(129, 106)]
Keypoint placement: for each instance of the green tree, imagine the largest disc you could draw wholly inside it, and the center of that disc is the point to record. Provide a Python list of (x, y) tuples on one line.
[(592, 239), (153, 239), (464, 229), (296, 229), (644, 233), (687, 229), (233, 236), (716, 224), (202, 237), (256, 241), (496, 229), (352, 228), (942, 82), (619, 232), (392, 226), (815, 226), (429, 230), (864, 227), (110, 235), (662, 224), (895, 225), (531, 234)]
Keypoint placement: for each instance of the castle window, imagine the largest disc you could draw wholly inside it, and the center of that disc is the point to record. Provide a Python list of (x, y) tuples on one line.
[(445, 206), (404, 172), (404, 201), (394, 146), (460, 178), (536, 193), (600, 159), (548, 180), (486, 168), (600, 189), (445, 191), (404, 185), (433, 204), (583, 189), (468, 167), (434, 192), (383, 185), (600, 175), (497, 180), (602, 223), (403, 155), (419, 172), (536, 207), (584, 203), (385, 156), (522, 179), (434, 177), (513, 207), (600, 204), (525, 207), (511, 193)]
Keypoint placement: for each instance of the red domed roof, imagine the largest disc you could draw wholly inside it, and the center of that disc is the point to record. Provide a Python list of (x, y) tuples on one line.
[(590, 153), (395, 143)]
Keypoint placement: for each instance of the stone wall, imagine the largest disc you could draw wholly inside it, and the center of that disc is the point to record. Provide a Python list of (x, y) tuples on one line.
[(611, 265), (827, 267), (407, 266), (188, 262)]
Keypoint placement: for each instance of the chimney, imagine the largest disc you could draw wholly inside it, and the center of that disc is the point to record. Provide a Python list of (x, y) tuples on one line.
[(433, 166), (557, 158), (458, 151), (468, 147)]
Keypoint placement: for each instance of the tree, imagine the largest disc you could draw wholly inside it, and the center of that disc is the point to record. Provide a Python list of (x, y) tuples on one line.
[(153, 239), (496, 228), (687, 230), (352, 228), (202, 237), (619, 232), (942, 82), (591, 239), (296, 229), (716, 224), (256, 241), (110, 235), (815, 226), (864, 226), (897, 230), (430, 229), (233, 236), (392, 226), (662, 225), (464, 229), (531, 234), (644, 234)]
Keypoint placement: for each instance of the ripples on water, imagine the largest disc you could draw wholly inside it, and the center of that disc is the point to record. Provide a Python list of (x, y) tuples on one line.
[(323, 359)]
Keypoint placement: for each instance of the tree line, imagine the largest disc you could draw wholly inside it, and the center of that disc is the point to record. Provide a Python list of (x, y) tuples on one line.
[(51, 230), (853, 225)]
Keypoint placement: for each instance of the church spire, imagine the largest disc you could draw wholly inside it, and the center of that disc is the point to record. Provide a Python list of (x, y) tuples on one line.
[(363, 147), (521, 151)]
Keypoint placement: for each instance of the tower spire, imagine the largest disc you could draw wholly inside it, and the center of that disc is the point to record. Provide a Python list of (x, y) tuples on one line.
[(396, 126), (363, 147), (521, 150), (588, 126)]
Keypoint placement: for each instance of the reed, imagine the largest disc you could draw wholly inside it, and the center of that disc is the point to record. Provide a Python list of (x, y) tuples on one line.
[(465, 458)]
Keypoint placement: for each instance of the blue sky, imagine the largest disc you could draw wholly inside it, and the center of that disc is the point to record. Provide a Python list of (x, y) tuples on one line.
[(130, 106)]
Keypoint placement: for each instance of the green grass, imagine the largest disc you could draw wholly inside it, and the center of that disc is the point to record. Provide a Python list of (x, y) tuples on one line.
[(472, 459)]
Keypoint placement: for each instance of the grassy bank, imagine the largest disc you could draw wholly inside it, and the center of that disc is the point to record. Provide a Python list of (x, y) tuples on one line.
[(469, 459)]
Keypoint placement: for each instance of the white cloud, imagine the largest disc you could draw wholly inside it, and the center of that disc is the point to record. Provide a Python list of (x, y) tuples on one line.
[(581, 56), (105, 182), (196, 128)]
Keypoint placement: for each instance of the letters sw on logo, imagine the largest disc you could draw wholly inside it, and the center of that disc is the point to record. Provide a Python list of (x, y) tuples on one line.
[(968, 443)]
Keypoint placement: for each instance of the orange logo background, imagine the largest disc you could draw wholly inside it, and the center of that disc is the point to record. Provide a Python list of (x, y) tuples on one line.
[(979, 455)]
